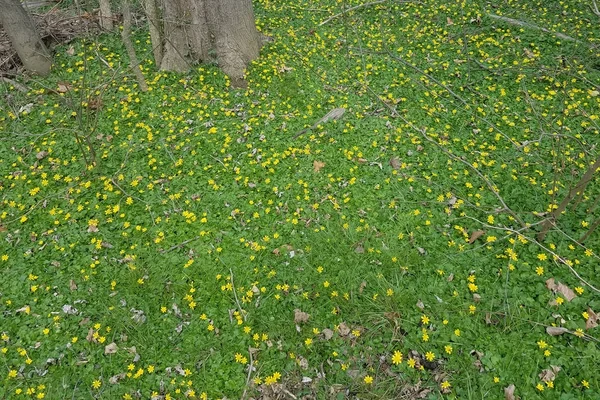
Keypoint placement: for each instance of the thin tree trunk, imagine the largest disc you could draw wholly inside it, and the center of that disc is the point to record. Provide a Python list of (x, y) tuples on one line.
[(125, 34), (155, 31), (24, 37), (105, 16)]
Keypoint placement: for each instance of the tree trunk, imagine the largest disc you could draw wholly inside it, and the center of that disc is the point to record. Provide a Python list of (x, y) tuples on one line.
[(176, 16), (236, 39), (24, 37), (105, 16), (155, 32), (196, 29), (201, 40), (126, 36)]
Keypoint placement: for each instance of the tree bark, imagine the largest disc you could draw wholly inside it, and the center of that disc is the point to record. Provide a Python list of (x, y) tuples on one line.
[(24, 37), (105, 16), (176, 16), (155, 31), (198, 30), (201, 40), (237, 41), (125, 34)]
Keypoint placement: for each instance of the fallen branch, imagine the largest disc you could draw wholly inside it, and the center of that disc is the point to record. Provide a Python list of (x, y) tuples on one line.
[(595, 8), (557, 258), (250, 368), (16, 85), (237, 301), (373, 3), (524, 24), (180, 245), (573, 192)]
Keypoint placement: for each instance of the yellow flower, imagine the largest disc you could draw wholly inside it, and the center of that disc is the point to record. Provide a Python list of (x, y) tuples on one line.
[(397, 358), (585, 384), (368, 379), (429, 356), (96, 384), (540, 387)]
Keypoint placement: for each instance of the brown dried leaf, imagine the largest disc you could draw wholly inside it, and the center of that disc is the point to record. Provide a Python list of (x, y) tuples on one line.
[(362, 286), (395, 163), (343, 329), (550, 284), (327, 333), (115, 379), (449, 21), (90, 335), (317, 165), (72, 285), (556, 330), (41, 155), (476, 235), (509, 392), (592, 320), (561, 288), (111, 348), (566, 291), (64, 87), (300, 316), (549, 375)]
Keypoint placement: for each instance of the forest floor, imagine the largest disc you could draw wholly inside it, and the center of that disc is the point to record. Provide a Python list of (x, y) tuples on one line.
[(181, 243)]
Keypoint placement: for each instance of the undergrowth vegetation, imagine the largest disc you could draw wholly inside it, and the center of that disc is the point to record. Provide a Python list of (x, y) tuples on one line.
[(179, 243)]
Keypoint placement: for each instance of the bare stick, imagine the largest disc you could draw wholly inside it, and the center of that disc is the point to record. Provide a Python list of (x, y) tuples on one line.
[(237, 301), (180, 244), (556, 256), (250, 367), (16, 85), (524, 24), (579, 187), (595, 8)]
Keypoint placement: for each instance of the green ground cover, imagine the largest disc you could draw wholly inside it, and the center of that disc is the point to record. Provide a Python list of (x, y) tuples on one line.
[(208, 254)]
